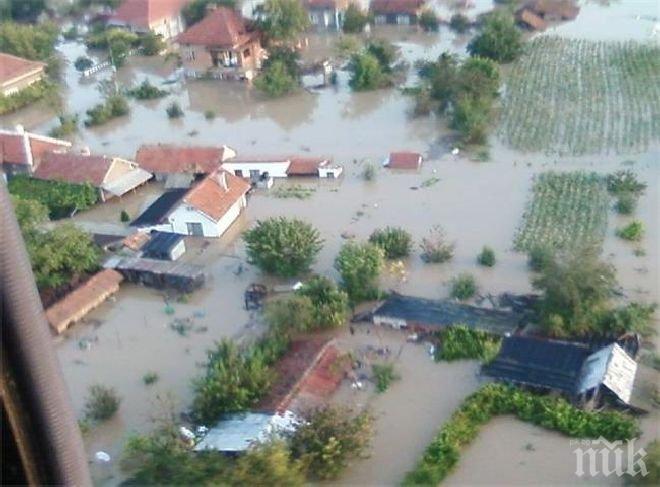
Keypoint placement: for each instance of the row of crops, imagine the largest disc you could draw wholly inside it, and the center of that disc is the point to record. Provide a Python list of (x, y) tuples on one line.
[(573, 97), (567, 211)]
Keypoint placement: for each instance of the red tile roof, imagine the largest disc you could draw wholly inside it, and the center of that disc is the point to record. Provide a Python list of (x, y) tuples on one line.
[(566, 9), (143, 13), (404, 160), (177, 159), (529, 18), (12, 67), (214, 198), (74, 168), (326, 4), (305, 166), (396, 6), (222, 27), (12, 147)]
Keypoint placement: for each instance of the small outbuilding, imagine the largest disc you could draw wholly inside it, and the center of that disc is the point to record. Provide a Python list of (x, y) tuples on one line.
[(165, 160), (403, 160), (164, 246), (397, 12)]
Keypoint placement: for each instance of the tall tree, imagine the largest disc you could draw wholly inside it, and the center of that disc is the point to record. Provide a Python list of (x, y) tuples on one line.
[(283, 20), (499, 39)]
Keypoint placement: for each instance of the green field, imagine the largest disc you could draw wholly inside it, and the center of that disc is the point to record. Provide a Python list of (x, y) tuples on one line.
[(567, 211), (576, 97)]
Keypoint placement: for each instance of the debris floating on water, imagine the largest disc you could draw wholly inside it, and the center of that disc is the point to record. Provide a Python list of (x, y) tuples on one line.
[(102, 457)]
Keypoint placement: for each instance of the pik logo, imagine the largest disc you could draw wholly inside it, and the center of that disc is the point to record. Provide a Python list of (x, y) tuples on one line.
[(596, 457)]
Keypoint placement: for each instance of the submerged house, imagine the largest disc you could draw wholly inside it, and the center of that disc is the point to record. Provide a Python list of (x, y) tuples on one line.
[(256, 168), (112, 176), (551, 10), (399, 311), (221, 45), (165, 160), (162, 17), (17, 73), (528, 19), (397, 12), (22, 151), (573, 369), (326, 14), (207, 209), (403, 160)]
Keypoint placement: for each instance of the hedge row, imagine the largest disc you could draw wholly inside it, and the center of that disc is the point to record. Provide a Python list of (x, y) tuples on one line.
[(60, 198)]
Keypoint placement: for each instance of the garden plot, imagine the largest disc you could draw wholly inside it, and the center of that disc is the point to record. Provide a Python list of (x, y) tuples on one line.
[(575, 97), (567, 211)]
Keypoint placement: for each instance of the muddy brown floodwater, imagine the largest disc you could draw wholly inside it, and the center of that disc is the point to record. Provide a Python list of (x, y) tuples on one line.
[(476, 203)]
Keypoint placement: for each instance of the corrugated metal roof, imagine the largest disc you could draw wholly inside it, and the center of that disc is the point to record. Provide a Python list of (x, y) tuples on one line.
[(237, 432), (161, 244), (160, 208), (612, 367)]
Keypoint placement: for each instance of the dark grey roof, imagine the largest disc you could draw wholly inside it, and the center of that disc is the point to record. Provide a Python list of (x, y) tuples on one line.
[(539, 362), (161, 244), (104, 240), (442, 313), (159, 209)]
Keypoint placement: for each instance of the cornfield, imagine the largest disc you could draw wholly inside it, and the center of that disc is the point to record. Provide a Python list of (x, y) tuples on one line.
[(576, 97), (567, 211)]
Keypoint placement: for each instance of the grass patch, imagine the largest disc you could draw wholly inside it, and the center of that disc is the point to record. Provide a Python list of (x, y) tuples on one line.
[(294, 191), (552, 413), (150, 378), (575, 97), (632, 232), (568, 211), (463, 287)]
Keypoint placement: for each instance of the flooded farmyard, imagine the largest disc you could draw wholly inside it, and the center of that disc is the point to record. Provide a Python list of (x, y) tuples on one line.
[(142, 330)]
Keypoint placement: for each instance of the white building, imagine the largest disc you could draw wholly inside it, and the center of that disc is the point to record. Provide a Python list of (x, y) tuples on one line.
[(256, 168), (206, 210)]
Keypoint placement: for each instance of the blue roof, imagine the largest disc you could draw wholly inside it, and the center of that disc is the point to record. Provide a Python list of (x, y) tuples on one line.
[(161, 244)]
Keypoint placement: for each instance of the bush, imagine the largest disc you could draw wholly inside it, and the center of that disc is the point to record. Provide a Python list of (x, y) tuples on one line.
[(395, 242), (366, 73), (276, 80), (354, 19), (150, 378), (124, 217), (369, 172), (540, 257), (102, 403), (295, 313), (68, 126), (463, 287), (625, 182), (428, 20), (174, 110), (329, 303), (471, 117), (36, 91), (329, 438), (209, 114), (633, 232), (82, 63), (459, 23), (460, 342), (61, 199), (282, 246), (499, 39), (486, 257), (553, 413), (359, 265), (267, 463), (384, 375), (113, 107), (152, 44), (435, 248), (625, 203), (147, 91)]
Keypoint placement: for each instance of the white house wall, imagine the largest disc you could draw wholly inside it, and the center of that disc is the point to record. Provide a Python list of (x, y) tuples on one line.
[(274, 169), (185, 214)]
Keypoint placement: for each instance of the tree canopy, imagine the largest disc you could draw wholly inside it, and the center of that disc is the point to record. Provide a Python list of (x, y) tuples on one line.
[(283, 20), (196, 10), (355, 19), (499, 39), (359, 265)]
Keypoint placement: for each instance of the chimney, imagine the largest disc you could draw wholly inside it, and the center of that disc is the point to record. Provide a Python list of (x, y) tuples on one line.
[(85, 151)]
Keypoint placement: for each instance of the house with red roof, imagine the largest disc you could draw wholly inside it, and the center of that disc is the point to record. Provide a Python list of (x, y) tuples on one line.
[(207, 209), (221, 45), (164, 160), (265, 167), (17, 73), (398, 12), (22, 151), (326, 14), (162, 17), (403, 160), (112, 176)]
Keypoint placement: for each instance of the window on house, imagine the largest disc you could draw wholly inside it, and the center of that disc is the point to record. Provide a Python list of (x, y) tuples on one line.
[(246, 53), (195, 229)]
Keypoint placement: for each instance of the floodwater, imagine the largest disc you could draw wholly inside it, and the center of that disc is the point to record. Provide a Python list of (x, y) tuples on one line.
[(476, 203)]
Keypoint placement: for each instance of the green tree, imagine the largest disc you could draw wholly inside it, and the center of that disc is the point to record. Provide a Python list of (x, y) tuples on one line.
[(652, 462), (394, 241), (366, 72), (120, 43), (575, 290), (478, 78), (384, 51), (275, 80), (442, 77), (282, 246), (102, 403), (355, 19), (463, 287), (295, 313), (459, 23), (329, 439), (196, 10), (486, 257), (428, 20), (30, 214), (499, 39), (234, 380), (25, 10), (268, 464), (152, 44), (329, 303), (283, 20), (471, 118), (359, 265), (30, 41)]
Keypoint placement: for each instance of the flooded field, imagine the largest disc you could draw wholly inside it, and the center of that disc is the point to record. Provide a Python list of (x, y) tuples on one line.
[(477, 204)]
